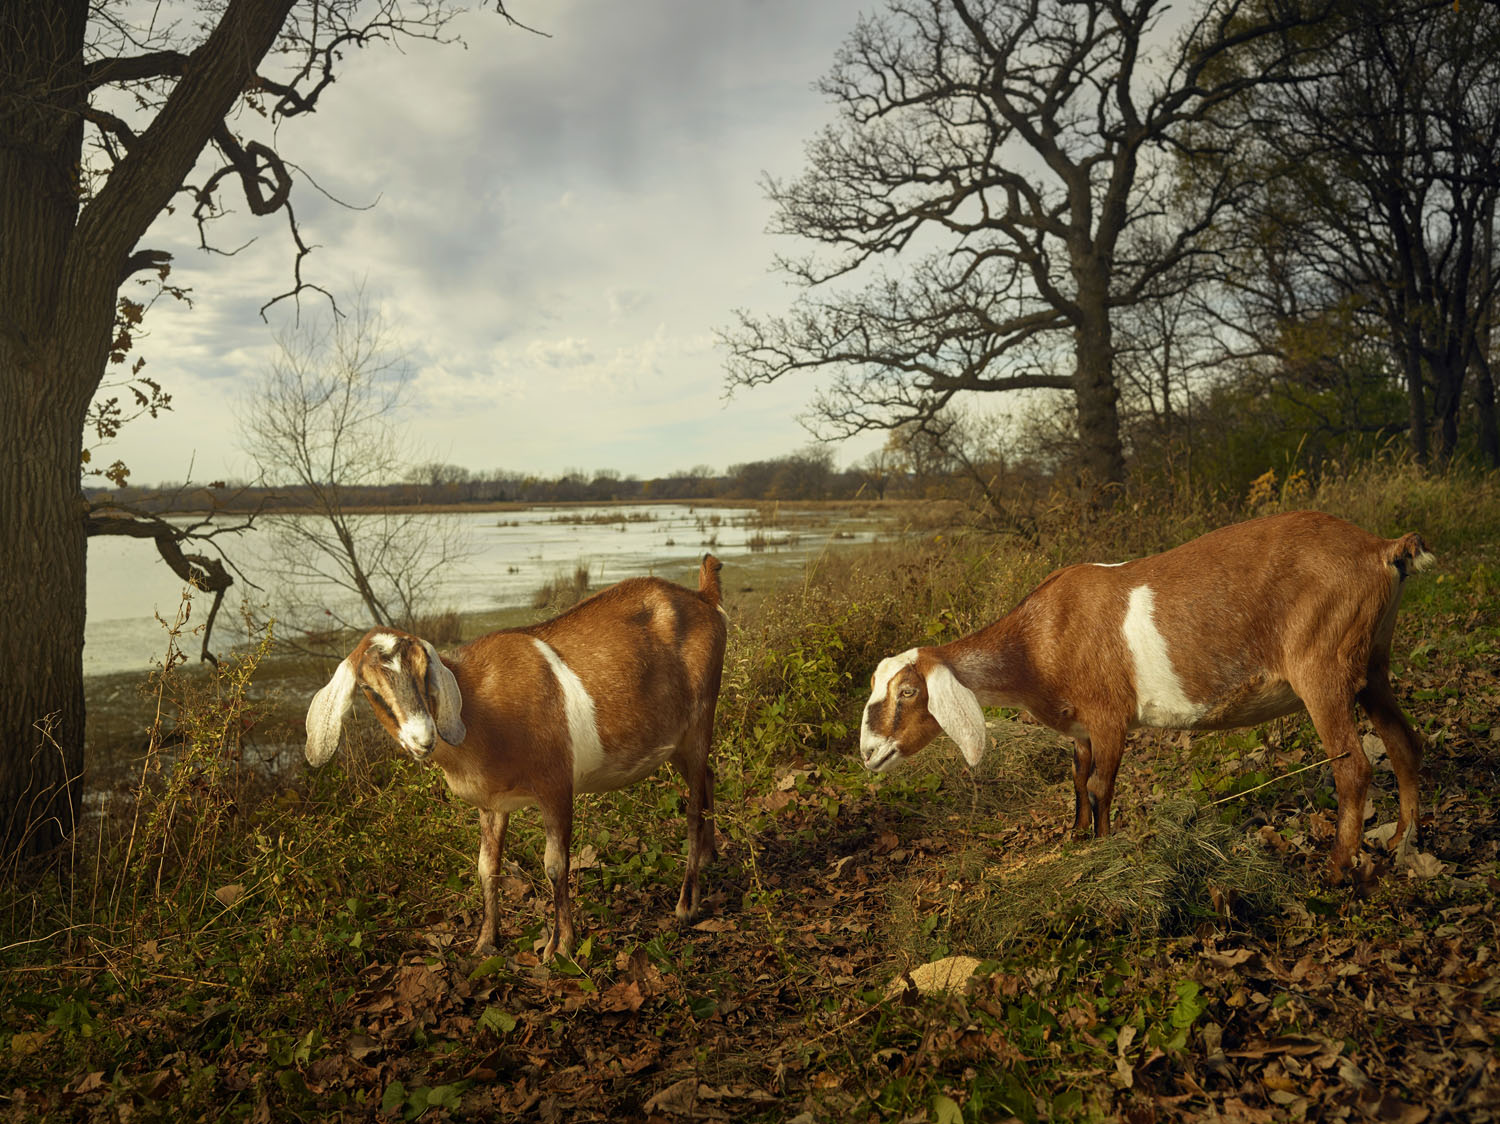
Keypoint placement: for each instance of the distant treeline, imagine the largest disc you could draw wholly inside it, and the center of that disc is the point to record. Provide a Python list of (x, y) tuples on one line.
[(807, 475)]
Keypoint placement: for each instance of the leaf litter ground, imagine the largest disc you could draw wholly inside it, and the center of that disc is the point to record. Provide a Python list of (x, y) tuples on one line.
[(1193, 967)]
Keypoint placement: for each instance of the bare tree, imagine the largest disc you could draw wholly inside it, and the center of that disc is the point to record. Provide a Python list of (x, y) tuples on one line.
[(1380, 168), (106, 109), (1004, 152), (322, 422)]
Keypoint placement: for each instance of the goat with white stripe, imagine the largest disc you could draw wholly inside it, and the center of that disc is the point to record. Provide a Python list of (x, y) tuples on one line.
[(591, 701), (1245, 624)]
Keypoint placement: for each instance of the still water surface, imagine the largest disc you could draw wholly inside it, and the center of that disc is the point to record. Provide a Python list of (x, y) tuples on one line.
[(514, 552)]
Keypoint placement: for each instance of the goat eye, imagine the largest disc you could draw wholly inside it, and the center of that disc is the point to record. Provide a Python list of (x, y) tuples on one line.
[(908, 692)]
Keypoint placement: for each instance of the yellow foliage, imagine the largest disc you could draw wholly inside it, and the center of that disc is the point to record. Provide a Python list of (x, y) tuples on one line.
[(1262, 491)]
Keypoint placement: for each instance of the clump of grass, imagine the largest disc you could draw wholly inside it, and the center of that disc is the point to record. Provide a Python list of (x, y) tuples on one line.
[(608, 517), (1184, 868), (1394, 496), (444, 626), (760, 541), (563, 591)]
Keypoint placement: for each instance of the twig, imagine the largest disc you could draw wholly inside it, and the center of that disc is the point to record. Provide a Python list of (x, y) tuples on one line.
[(40, 940), (1274, 780), (1462, 1095)]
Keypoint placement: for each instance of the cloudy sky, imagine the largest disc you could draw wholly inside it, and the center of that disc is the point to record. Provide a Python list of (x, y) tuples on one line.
[(554, 226)]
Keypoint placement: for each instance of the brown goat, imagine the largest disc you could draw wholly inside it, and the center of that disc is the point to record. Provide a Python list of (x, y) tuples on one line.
[(590, 701), (1245, 624)]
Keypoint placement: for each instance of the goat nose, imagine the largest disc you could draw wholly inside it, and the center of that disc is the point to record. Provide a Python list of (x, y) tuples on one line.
[(418, 735)]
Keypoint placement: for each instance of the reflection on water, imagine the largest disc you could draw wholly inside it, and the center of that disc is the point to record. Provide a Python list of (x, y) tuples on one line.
[(514, 552)]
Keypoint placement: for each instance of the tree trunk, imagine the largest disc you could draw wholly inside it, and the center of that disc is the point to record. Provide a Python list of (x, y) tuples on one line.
[(42, 591), (41, 429), (1097, 395), (1484, 406), (1416, 406), (1448, 385), (60, 272)]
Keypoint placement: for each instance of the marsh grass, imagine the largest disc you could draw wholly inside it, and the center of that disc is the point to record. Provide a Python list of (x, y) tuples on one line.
[(562, 591), (444, 627)]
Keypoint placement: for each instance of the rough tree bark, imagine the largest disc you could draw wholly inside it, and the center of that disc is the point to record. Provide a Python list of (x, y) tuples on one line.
[(63, 261)]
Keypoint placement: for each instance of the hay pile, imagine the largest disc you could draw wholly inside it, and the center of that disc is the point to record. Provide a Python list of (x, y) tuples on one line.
[(1186, 867)]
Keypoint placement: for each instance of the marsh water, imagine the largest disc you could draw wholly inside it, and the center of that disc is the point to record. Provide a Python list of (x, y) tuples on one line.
[(132, 596)]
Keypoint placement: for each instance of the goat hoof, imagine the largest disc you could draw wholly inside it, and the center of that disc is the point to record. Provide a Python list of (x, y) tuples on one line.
[(1336, 871), (555, 946)]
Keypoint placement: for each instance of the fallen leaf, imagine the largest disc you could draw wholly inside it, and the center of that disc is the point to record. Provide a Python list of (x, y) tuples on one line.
[(624, 996), (228, 895), (88, 1083), (30, 1041), (361, 1047), (1229, 958), (1424, 865), (951, 973), (681, 1098), (715, 925), (1375, 751), (1391, 1109)]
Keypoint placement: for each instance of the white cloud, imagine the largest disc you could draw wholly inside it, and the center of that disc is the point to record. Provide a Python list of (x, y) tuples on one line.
[(559, 224), (567, 352)]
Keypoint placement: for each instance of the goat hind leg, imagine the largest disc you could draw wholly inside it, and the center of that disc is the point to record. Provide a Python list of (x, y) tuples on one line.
[(1333, 717), (557, 824), (1403, 746), (691, 760)]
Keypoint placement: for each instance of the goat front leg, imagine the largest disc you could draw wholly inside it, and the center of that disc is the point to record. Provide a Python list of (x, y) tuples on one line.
[(1106, 746), (492, 829), (1083, 767), (557, 823)]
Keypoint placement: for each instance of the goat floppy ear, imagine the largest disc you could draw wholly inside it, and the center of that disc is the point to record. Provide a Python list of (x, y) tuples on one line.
[(326, 714), (957, 711), (448, 703)]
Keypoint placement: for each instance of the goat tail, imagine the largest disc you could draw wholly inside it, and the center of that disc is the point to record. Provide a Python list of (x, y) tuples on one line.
[(1409, 554), (708, 580)]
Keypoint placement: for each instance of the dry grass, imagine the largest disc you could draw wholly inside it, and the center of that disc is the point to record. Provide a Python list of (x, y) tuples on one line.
[(562, 592), (1008, 873), (442, 628), (1186, 867)]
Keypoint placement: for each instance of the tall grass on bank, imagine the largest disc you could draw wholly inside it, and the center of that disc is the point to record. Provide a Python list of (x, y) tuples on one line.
[(211, 894), (562, 591)]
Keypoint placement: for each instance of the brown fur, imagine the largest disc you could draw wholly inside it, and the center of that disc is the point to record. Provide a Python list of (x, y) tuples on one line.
[(650, 656), (1259, 619)]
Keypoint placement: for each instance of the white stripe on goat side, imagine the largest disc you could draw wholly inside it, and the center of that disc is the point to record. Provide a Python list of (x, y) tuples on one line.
[(578, 705), (1159, 697)]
